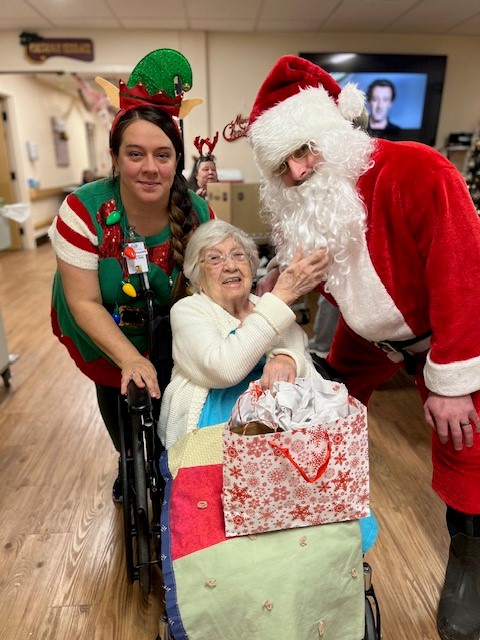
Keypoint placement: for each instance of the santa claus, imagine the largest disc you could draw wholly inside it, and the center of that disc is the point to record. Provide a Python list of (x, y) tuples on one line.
[(404, 240)]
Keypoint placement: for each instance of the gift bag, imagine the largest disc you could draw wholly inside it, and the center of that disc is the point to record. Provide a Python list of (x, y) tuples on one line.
[(308, 465)]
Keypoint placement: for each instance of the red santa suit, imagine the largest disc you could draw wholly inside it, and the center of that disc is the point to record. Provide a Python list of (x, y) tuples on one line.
[(414, 274), (418, 271)]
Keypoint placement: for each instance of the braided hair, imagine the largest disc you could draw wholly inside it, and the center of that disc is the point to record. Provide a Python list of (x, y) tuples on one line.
[(181, 214)]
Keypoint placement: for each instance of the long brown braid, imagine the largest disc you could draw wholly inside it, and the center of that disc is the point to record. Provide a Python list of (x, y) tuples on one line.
[(182, 218)]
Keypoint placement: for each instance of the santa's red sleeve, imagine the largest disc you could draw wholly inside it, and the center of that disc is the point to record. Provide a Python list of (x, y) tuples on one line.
[(449, 238), (421, 269)]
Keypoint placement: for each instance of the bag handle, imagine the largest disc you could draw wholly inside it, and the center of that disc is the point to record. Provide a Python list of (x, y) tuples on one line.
[(285, 452)]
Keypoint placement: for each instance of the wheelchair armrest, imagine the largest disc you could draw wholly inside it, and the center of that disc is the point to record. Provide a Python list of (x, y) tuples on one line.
[(139, 400)]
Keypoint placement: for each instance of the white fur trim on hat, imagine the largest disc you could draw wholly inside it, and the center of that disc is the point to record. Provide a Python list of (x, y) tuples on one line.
[(308, 115), (351, 101)]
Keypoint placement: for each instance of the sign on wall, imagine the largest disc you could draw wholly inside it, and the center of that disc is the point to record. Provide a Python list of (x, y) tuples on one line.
[(235, 129), (38, 49)]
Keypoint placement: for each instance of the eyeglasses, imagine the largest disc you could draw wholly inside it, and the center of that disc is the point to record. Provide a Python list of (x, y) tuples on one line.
[(297, 155), (216, 259)]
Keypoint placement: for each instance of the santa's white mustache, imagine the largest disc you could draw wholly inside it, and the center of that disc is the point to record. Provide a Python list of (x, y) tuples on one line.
[(325, 210)]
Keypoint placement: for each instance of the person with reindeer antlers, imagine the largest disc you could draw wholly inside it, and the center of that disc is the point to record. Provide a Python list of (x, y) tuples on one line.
[(205, 169)]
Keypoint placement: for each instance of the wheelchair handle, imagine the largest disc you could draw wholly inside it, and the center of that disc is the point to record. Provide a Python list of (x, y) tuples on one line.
[(139, 400)]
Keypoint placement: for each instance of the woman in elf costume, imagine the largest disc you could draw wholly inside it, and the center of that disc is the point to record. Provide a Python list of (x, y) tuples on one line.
[(114, 236)]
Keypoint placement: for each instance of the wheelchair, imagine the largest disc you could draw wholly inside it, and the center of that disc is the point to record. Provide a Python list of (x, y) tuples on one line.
[(372, 628), (142, 484)]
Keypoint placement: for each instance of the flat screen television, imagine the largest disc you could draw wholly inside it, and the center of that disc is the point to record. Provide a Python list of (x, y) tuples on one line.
[(417, 82)]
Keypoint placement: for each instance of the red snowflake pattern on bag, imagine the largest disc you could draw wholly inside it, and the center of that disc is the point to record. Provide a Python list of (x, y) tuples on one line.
[(270, 480)]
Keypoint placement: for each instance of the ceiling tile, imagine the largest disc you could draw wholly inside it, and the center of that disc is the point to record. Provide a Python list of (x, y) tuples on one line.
[(300, 10), (288, 25), (435, 16), (12, 9), (73, 8), (148, 9), (246, 10), (86, 23), (455, 17), (365, 15), (212, 24), (25, 24), (470, 27), (154, 23)]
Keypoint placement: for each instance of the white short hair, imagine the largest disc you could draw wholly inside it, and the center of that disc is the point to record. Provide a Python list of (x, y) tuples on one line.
[(208, 235)]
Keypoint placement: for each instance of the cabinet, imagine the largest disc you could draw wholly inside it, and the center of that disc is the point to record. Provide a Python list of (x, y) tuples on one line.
[(238, 204), (457, 154)]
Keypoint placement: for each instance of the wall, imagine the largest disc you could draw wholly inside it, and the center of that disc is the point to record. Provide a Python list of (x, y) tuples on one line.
[(115, 57), (30, 105), (228, 69), (238, 64), (34, 104)]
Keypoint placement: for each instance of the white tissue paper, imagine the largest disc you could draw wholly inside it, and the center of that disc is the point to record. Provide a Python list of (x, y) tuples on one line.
[(292, 405)]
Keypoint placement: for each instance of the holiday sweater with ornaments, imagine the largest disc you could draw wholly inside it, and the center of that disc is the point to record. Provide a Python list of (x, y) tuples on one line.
[(214, 350), (418, 267), (81, 237)]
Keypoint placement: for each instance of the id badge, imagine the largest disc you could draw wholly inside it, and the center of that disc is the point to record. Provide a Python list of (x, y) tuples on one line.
[(136, 257)]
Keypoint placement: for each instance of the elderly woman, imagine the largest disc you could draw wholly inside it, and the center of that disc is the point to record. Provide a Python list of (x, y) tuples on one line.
[(296, 583), (224, 336)]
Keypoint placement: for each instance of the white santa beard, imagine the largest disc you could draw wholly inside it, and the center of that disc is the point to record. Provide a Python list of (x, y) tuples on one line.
[(325, 210)]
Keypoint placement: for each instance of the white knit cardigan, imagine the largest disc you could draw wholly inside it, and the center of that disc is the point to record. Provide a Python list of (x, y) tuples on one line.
[(208, 355)]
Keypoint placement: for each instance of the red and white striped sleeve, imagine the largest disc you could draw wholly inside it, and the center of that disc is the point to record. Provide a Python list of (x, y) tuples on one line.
[(73, 235)]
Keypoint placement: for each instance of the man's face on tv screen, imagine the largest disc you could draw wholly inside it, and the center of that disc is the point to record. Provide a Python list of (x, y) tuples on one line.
[(380, 103)]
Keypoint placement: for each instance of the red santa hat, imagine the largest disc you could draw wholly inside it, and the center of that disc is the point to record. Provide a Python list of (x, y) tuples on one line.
[(298, 102)]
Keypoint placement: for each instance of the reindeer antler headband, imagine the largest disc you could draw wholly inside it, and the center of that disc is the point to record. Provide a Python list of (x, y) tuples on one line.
[(199, 143)]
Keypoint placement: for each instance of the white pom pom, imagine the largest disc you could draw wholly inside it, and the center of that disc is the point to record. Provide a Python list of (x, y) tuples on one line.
[(351, 101)]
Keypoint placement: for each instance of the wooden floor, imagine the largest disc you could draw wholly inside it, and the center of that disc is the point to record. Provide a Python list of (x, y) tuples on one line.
[(62, 574)]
